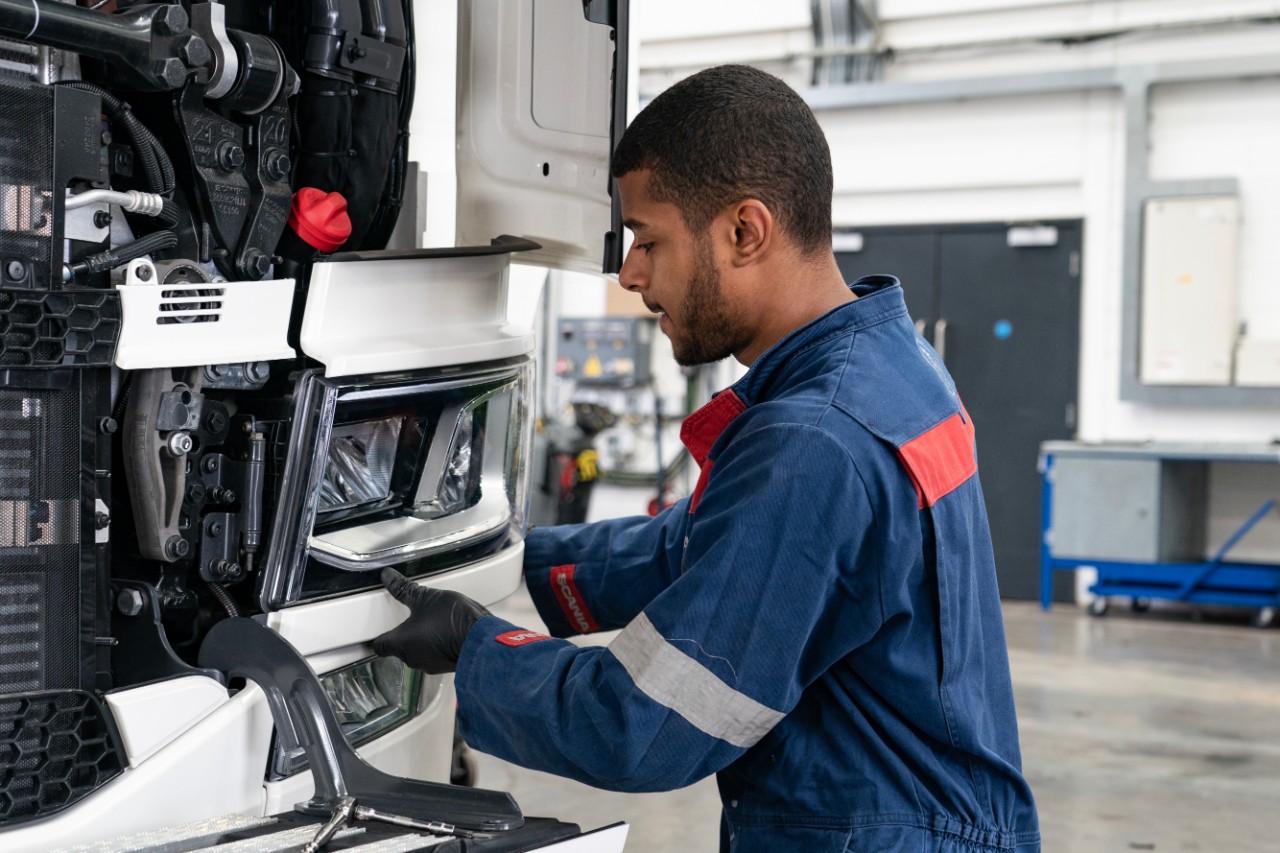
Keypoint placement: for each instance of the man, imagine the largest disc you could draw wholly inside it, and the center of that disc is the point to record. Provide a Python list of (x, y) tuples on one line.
[(818, 624)]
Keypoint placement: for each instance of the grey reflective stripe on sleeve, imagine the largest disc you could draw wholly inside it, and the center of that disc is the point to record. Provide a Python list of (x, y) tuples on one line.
[(674, 680)]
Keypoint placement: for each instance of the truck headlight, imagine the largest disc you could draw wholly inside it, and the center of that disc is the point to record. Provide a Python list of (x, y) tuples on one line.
[(370, 698), (424, 472)]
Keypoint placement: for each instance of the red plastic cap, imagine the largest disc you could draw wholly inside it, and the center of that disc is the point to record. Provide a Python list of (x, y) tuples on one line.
[(320, 218)]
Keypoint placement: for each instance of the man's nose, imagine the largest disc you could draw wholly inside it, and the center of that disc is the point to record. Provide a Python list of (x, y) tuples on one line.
[(633, 275)]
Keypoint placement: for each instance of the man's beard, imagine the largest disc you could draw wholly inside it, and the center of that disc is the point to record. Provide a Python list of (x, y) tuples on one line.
[(708, 330)]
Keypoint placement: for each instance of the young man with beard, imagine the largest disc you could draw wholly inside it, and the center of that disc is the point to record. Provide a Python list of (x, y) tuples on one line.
[(818, 623)]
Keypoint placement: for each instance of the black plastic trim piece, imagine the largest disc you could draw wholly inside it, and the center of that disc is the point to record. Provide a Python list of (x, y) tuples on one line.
[(501, 245)]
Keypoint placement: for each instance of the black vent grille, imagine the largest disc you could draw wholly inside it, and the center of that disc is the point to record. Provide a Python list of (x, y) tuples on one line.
[(26, 196), (21, 649), (39, 539), (55, 749), (71, 328)]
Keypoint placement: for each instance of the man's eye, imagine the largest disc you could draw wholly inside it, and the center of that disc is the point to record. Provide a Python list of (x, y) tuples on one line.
[(644, 247)]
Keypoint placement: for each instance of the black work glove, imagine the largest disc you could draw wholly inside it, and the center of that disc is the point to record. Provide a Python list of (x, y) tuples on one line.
[(439, 621)]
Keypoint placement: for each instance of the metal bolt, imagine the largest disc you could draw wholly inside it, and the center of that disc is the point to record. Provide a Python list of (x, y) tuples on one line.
[(101, 219), (101, 521), (215, 528), (170, 20), (277, 165), (170, 72), (215, 421), (143, 272), (179, 444), (175, 547), (130, 602), (210, 464), (221, 494), (195, 51), (195, 492), (224, 568), (257, 371), (106, 137), (229, 155), (256, 264), (107, 426), (15, 270)]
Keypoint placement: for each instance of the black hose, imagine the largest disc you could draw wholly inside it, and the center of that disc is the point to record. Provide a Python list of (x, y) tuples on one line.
[(155, 160), (170, 213), (113, 258)]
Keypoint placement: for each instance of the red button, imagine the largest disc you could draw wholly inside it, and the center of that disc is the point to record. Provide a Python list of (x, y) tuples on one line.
[(320, 218)]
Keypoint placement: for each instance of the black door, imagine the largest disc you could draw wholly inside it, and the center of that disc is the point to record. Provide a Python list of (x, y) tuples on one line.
[(1007, 323)]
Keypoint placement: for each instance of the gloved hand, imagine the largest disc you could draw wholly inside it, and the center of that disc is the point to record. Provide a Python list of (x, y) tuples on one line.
[(439, 621)]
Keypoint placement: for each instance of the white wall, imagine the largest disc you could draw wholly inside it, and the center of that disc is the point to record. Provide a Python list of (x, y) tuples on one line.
[(1059, 156)]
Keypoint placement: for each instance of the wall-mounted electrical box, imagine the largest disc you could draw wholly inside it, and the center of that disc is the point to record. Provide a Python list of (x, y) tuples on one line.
[(605, 350), (1190, 266), (1258, 362)]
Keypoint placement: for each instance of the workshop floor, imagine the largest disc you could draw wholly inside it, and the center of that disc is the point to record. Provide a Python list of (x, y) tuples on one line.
[(1156, 731)]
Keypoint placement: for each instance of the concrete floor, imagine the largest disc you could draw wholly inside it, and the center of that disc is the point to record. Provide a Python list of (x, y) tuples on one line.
[(1155, 731)]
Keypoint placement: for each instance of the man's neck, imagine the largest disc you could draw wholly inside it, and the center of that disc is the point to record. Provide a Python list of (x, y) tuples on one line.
[(797, 294)]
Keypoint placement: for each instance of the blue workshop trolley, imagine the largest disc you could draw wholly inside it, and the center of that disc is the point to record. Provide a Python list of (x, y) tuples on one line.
[(1187, 522)]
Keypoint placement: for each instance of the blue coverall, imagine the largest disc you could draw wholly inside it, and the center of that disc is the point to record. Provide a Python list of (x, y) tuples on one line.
[(818, 624)]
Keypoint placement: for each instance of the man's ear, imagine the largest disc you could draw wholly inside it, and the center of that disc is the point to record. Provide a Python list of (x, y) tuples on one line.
[(754, 231)]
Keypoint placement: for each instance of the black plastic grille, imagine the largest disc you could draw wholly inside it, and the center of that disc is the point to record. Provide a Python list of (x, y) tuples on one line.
[(55, 749), (26, 196), (39, 539), (69, 328)]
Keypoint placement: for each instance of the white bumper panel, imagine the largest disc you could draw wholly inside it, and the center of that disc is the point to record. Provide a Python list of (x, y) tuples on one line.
[(154, 715), (329, 626), (214, 768)]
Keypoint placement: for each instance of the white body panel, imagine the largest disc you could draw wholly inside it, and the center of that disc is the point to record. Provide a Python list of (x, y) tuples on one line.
[(249, 323), (533, 129), (393, 315), (154, 715)]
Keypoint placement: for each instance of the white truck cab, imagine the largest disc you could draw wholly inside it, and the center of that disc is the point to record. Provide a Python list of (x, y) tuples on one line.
[(226, 404)]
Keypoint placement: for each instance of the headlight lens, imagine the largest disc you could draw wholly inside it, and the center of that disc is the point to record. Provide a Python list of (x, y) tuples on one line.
[(369, 698), (362, 459)]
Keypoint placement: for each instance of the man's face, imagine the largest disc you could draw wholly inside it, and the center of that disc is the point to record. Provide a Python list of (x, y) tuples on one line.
[(677, 275)]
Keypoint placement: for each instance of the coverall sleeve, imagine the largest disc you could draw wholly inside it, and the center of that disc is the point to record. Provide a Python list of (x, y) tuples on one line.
[(596, 577), (778, 583)]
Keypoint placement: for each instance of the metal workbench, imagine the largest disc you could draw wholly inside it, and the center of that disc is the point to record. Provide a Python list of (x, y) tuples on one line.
[(1137, 514)]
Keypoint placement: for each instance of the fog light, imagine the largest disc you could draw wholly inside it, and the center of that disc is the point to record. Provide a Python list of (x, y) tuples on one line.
[(369, 698)]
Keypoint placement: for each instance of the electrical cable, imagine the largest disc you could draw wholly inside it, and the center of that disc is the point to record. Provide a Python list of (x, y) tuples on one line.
[(113, 258), (155, 160), (224, 598)]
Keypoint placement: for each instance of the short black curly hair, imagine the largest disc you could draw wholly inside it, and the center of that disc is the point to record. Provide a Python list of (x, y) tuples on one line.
[(730, 133)]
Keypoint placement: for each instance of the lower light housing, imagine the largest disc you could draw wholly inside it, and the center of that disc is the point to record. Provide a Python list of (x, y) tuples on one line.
[(370, 698)]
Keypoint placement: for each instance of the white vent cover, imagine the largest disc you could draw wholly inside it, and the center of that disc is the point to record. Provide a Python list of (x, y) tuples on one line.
[(183, 323)]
